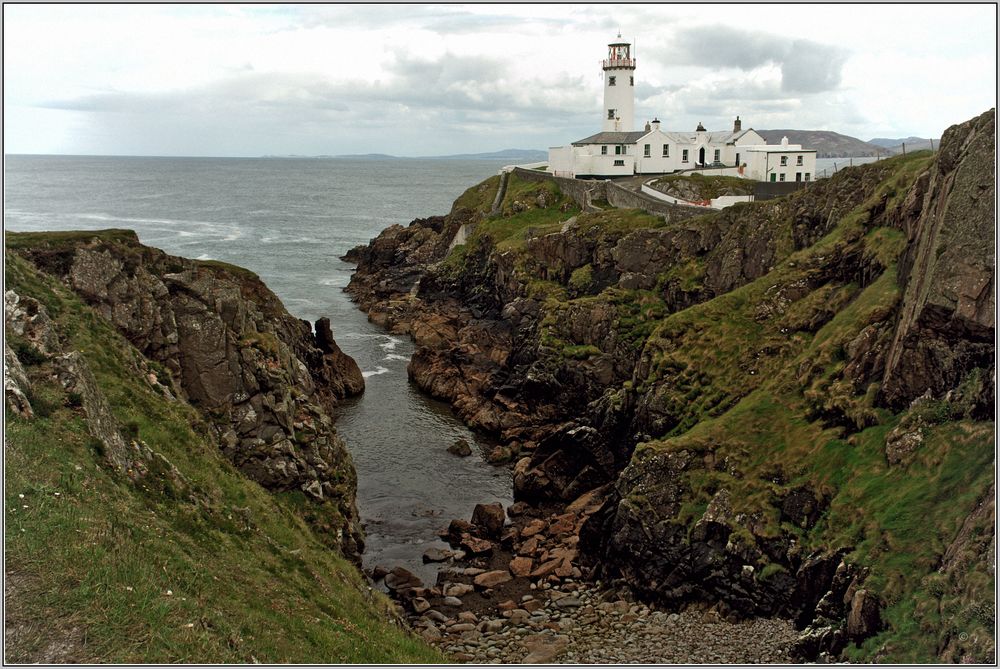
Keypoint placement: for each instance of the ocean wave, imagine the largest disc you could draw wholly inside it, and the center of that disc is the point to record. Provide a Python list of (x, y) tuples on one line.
[(389, 345), (379, 370), (396, 356)]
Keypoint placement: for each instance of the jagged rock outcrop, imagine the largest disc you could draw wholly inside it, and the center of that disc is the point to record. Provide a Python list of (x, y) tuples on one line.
[(947, 323), (264, 380), (564, 345)]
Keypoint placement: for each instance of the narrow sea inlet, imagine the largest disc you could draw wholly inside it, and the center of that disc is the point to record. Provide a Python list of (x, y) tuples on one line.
[(289, 221)]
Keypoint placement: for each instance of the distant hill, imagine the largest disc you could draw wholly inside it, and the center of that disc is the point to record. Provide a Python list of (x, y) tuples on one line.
[(364, 156), (912, 143), (519, 155), (828, 144), (512, 155)]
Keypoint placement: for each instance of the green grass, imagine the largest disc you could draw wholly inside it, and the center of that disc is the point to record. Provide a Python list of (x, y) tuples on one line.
[(216, 570), (798, 415), (707, 187), (478, 198), (34, 240)]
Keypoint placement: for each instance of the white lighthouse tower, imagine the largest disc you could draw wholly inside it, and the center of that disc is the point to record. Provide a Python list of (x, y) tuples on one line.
[(619, 88)]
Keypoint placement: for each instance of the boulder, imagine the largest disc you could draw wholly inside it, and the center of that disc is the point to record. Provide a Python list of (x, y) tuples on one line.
[(458, 590), (864, 618), (460, 448), (521, 566), (477, 546), (401, 578), (534, 527), (437, 555), (489, 519), (491, 579)]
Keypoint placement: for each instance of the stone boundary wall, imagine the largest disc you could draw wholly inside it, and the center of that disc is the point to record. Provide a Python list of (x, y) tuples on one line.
[(624, 198), (584, 191)]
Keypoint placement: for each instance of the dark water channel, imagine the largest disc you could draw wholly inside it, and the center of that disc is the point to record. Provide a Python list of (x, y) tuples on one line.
[(289, 220)]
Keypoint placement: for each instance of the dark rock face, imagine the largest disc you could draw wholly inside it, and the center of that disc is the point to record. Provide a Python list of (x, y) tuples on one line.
[(572, 386), (947, 323), (264, 380)]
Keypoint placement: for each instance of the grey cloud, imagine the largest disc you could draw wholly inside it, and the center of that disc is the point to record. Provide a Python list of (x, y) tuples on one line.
[(811, 67), (443, 97), (723, 46), (806, 66)]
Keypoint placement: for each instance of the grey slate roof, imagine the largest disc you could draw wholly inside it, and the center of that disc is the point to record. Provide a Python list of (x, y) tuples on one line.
[(677, 137), (611, 138)]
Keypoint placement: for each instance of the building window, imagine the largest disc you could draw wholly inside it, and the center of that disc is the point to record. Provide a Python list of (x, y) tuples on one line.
[(645, 151), (611, 114), (604, 150), (619, 163), (807, 176), (784, 161), (798, 160), (684, 156), (717, 154), (611, 81), (781, 177), (618, 150), (631, 81), (666, 150)]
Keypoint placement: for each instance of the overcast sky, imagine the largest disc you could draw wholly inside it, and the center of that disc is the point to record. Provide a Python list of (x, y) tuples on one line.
[(229, 80)]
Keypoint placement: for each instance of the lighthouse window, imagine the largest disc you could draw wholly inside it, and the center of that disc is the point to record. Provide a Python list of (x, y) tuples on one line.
[(645, 150), (611, 114), (666, 150), (604, 150), (611, 81), (631, 81)]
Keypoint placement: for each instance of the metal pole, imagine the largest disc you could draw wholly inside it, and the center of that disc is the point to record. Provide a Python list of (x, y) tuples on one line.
[(904, 148)]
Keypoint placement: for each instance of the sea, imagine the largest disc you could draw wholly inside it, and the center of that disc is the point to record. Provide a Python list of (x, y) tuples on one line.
[(289, 220)]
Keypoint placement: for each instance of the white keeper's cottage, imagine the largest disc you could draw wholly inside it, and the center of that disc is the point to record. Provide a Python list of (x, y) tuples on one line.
[(619, 150)]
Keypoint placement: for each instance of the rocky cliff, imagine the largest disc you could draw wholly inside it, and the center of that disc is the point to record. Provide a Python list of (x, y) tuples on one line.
[(216, 337), (746, 379), (175, 491)]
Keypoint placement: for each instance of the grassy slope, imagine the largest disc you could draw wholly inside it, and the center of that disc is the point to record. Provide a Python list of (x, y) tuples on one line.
[(899, 520), (746, 390), (93, 557)]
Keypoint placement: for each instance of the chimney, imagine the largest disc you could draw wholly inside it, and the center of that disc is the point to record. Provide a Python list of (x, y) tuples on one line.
[(737, 125), (647, 126)]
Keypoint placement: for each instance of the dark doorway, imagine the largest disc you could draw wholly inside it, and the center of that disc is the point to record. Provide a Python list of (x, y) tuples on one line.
[(737, 160), (701, 156)]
